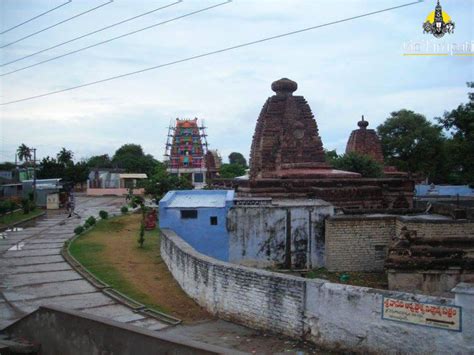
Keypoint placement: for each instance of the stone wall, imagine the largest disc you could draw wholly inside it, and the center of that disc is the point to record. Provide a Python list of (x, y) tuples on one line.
[(335, 316), (253, 297), (269, 235), (360, 242)]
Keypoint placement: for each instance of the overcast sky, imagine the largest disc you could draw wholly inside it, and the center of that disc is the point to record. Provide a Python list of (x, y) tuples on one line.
[(343, 71)]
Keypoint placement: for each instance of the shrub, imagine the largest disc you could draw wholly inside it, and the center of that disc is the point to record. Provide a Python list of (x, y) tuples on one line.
[(11, 205), (139, 200), (86, 225), (124, 209), (91, 220), (141, 238), (3, 208), (26, 205), (78, 230), (103, 214)]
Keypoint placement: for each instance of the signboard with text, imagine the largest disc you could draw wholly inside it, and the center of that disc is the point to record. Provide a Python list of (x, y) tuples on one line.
[(427, 314)]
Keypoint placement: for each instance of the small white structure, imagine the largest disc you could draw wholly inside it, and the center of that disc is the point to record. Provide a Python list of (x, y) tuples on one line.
[(107, 182)]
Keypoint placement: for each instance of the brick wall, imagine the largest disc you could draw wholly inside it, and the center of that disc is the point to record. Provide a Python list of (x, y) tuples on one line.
[(360, 243), (437, 229), (357, 243)]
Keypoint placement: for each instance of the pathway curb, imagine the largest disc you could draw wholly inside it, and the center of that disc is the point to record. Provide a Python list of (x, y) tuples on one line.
[(108, 290)]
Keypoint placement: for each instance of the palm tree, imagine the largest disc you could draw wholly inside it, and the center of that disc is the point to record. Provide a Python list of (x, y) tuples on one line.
[(64, 156), (24, 153)]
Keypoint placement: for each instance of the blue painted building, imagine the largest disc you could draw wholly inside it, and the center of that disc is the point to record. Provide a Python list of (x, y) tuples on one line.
[(199, 217)]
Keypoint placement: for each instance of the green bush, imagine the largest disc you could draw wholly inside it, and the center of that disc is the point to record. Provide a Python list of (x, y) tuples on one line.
[(91, 220), (78, 229), (138, 200), (3, 208), (103, 214), (26, 205), (141, 238), (11, 206), (86, 225), (124, 209)]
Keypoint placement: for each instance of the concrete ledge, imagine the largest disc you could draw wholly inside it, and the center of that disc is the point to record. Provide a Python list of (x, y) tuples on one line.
[(61, 331), (22, 221)]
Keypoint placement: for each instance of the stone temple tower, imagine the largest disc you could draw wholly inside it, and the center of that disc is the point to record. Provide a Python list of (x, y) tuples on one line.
[(365, 142), (286, 136), (287, 161)]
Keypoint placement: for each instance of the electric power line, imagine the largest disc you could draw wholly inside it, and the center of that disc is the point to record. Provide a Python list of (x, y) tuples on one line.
[(211, 53), (114, 38), (91, 33), (34, 18), (56, 24)]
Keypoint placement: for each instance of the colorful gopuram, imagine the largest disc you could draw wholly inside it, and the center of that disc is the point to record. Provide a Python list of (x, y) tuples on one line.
[(186, 150)]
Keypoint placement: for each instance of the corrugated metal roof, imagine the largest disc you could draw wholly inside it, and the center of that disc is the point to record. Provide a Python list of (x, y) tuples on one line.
[(133, 176)]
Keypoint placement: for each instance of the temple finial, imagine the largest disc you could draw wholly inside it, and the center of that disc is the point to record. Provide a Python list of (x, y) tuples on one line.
[(363, 123)]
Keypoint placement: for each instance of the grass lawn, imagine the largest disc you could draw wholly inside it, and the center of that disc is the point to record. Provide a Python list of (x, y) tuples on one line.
[(111, 252), (366, 279), (18, 216)]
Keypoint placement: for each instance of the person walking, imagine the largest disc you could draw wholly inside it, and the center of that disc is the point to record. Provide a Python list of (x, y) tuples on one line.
[(71, 205)]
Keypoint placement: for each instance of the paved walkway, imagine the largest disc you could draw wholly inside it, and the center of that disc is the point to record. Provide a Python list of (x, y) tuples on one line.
[(33, 272)]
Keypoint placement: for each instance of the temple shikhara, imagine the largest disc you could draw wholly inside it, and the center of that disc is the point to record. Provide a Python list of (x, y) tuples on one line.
[(365, 142), (286, 142), (186, 150), (287, 159)]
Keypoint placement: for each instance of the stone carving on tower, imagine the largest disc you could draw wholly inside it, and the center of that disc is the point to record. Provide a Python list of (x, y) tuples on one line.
[(286, 135)]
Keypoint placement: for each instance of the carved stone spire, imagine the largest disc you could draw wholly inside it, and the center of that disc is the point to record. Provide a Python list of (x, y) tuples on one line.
[(365, 142), (286, 135)]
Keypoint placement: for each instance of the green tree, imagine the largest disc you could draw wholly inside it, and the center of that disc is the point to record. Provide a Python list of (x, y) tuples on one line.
[(7, 166), (65, 157), (460, 146), (411, 143), (237, 158), (77, 173), (132, 158), (160, 182), (330, 155), (230, 171), (99, 161), (24, 153), (362, 164), (49, 168)]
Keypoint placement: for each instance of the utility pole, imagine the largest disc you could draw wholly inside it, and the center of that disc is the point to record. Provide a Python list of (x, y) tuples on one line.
[(34, 172)]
